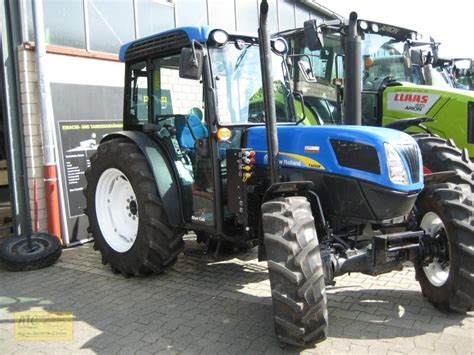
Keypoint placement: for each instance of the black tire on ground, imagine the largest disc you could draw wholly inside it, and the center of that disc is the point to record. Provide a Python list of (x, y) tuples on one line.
[(440, 155), (157, 244), (15, 255), (451, 205), (296, 271)]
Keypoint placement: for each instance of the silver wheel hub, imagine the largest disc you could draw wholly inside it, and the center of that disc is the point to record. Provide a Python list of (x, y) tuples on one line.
[(116, 210), (436, 272)]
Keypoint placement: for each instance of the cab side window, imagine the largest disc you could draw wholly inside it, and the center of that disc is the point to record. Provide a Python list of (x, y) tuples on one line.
[(137, 105)]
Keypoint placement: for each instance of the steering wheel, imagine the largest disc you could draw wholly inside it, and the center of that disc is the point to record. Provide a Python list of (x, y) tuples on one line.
[(377, 83)]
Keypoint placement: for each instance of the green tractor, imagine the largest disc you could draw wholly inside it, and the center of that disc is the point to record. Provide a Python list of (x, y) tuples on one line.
[(400, 87), (212, 144)]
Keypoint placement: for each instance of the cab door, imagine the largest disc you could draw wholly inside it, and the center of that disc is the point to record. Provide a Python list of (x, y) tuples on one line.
[(177, 106)]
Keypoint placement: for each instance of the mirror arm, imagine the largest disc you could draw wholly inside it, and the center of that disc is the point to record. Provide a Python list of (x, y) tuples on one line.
[(303, 110), (195, 60)]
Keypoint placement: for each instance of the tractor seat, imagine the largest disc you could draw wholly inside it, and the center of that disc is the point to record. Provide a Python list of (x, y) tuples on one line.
[(188, 130)]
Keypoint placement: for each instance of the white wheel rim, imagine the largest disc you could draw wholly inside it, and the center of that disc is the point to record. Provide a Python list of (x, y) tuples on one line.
[(116, 210), (436, 272)]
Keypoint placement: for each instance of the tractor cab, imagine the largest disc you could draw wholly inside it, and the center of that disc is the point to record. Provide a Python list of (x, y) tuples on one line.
[(194, 90)]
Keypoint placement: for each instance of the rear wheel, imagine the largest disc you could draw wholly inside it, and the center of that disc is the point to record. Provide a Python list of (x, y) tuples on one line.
[(445, 212), (295, 270), (443, 155), (125, 213)]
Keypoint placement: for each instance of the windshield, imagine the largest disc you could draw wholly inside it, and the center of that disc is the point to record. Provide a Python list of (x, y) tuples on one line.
[(383, 59), (440, 78), (327, 64), (239, 85)]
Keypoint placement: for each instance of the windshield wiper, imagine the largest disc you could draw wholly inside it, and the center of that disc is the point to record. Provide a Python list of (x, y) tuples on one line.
[(241, 56)]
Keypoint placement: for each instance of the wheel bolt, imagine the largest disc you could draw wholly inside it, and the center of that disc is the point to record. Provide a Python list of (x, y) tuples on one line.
[(126, 207), (130, 215), (134, 218)]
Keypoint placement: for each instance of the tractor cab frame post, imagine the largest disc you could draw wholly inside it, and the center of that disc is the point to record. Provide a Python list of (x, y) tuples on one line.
[(353, 77)]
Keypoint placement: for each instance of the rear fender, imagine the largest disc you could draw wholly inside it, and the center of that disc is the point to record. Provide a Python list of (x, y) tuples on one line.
[(438, 178), (405, 123), (162, 171)]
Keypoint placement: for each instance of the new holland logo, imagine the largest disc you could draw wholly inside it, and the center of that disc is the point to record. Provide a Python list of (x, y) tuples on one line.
[(413, 102)]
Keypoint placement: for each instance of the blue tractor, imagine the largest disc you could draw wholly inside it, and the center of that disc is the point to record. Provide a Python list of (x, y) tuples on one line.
[(211, 144)]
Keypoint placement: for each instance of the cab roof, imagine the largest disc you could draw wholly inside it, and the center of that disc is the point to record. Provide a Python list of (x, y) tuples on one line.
[(167, 41)]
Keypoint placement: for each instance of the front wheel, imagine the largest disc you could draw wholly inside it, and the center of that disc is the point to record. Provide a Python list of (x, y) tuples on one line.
[(126, 216), (296, 271), (445, 212)]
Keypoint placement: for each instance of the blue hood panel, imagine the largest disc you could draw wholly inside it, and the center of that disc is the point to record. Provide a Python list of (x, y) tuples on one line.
[(309, 147)]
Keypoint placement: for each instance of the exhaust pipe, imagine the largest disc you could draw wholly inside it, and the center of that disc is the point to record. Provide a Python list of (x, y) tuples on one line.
[(353, 76), (268, 94)]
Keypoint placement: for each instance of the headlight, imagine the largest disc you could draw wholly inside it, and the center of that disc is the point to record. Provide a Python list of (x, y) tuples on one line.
[(220, 37), (363, 25), (280, 46), (396, 168)]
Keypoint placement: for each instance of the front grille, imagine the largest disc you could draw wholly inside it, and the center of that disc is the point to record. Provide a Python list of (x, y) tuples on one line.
[(412, 156), (356, 155), (162, 45)]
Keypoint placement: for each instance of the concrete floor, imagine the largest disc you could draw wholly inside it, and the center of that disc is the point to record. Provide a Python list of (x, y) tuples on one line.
[(218, 307)]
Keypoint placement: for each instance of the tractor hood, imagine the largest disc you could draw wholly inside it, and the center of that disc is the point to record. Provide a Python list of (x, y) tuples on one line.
[(452, 92), (351, 151)]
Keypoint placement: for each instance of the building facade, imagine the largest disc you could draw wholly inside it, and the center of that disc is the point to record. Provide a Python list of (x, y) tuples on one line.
[(83, 38)]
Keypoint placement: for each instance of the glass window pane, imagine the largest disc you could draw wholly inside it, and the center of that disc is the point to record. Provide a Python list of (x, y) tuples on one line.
[(247, 16), (286, 12), (191, 13), (302, 15), (110, 24), (316, 16), (64, 23), (153, 17), (272, 15), (137, 94), (222, 14)]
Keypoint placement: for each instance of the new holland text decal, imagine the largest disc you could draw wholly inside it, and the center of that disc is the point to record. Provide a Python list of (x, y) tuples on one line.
[(414, 102), (296, 160)]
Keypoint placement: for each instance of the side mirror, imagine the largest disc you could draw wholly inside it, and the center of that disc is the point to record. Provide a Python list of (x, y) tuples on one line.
[(313, 35), (307, 71), (190, 63)]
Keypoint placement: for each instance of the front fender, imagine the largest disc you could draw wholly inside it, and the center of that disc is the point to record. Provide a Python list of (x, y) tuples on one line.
[(162, 171)]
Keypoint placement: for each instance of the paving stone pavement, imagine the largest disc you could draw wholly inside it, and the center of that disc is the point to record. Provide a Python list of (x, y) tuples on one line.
[(223, 306)]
